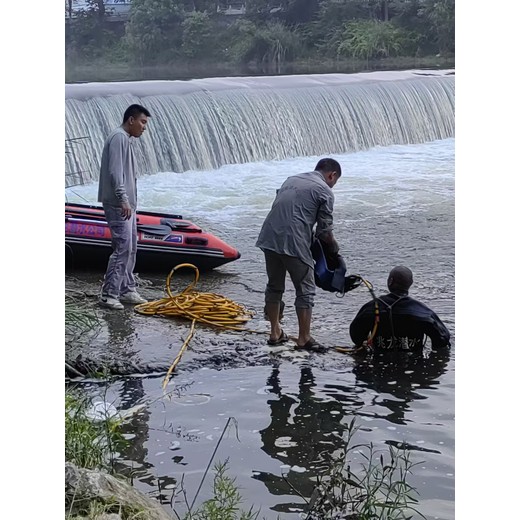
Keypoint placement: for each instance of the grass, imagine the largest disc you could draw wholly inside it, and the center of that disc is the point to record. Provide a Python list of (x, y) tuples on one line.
[(378, 490), (225, 502), (91, 443), (93, 440), (94, 509), (80, 318)]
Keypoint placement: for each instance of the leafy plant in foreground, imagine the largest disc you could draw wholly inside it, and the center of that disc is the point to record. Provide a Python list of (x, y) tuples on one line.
[(79, 318), (379, 491), (94, 510), (225, 502), (90, 442)]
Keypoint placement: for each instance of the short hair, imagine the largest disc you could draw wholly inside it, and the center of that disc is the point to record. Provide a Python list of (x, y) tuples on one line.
[(328, 165), (134, 111), (400, 278)]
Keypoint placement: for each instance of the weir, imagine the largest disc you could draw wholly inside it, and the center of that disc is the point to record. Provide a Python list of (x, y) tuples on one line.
[(206, 123)]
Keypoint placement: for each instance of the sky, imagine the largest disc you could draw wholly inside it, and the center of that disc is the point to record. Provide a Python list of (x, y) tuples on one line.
[(32, 143)]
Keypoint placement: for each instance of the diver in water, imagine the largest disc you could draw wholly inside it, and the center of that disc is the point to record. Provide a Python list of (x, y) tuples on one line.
[(397, 322)]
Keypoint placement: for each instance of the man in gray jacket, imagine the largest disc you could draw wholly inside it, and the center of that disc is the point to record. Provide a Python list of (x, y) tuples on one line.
[(118, 193), (303, 200)]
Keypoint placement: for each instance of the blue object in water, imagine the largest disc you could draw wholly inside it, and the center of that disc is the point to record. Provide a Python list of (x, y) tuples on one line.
[(332, 280)]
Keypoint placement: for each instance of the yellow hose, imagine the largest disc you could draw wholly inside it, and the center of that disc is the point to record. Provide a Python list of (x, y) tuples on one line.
[(368, 343), (209, 308)]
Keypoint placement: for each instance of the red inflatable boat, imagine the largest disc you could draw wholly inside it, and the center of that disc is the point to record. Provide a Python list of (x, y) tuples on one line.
[(163, 241)]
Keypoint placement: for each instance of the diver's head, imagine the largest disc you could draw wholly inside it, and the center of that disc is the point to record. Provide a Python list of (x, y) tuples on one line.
[(400, 279)]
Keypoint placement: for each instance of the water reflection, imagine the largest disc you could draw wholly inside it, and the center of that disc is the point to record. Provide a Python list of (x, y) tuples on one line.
[(306, 429), (119, 347), (397, 379), (135, 429), (120, 329), (304, 434), (135, 461)]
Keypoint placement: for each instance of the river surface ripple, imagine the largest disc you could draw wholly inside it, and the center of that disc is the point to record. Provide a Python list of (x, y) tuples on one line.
[(394, 205)]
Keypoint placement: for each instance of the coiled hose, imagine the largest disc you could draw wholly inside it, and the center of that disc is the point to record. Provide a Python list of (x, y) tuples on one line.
[(209, 308)]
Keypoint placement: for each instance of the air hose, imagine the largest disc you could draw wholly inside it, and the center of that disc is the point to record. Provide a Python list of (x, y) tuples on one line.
[(209, 308), (370, 339)]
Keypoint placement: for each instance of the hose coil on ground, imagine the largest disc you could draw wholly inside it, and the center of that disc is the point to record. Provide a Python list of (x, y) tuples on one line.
[(209, 308)]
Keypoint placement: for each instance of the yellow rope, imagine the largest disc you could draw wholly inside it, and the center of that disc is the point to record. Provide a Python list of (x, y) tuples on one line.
[(368, 343), (179, 355), (209, 308)]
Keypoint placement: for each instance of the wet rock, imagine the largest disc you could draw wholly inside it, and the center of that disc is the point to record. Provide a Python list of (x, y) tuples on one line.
[(88, 485)]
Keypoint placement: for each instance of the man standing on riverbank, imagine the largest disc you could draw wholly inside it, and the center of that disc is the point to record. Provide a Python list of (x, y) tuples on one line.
[(303, 200), (118, 194)]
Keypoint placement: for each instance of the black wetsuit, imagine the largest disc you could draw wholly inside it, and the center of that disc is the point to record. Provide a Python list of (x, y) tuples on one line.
[(403, 325)]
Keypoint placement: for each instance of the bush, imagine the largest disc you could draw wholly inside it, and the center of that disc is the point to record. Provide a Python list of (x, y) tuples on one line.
[(369, 39), (225, 501), (79, 318), (378, 491), (92, 433)]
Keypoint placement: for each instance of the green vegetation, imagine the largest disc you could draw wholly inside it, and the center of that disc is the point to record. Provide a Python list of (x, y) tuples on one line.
[(225, 502), (81, 322), (372, 39), (377, 491), (94, 509), (376, 488), (172, 39), (79, 318), (92, 435)]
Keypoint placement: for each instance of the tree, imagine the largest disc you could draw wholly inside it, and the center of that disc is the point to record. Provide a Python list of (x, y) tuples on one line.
[(198, 36), (369, 39), (268, 46), (86, 32), (300, 11), (441, 15), (325, 32), (153, 32), (257, 11)]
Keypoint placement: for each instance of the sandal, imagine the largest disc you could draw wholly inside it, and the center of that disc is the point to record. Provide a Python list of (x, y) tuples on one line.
[(282, 339), (313, 346)]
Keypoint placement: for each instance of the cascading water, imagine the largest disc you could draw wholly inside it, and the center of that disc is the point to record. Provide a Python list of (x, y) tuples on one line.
[(204, 124)]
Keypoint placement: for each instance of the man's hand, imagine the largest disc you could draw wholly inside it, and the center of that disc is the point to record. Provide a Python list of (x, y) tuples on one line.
[(351, 282), (126, 210), (330, 241)]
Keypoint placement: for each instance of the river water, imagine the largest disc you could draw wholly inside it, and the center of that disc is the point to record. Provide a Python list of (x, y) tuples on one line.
[(394, 205)]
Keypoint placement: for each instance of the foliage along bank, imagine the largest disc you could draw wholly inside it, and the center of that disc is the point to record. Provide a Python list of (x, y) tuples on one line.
[(270, 37)]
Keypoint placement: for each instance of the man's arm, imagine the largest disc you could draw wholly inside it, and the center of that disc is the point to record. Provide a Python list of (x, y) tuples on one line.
[(438, 333), (324, 224), (362, 324), (116, 153)]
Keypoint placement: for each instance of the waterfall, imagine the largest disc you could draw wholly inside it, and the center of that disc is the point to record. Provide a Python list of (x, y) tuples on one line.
[(203, 124)]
